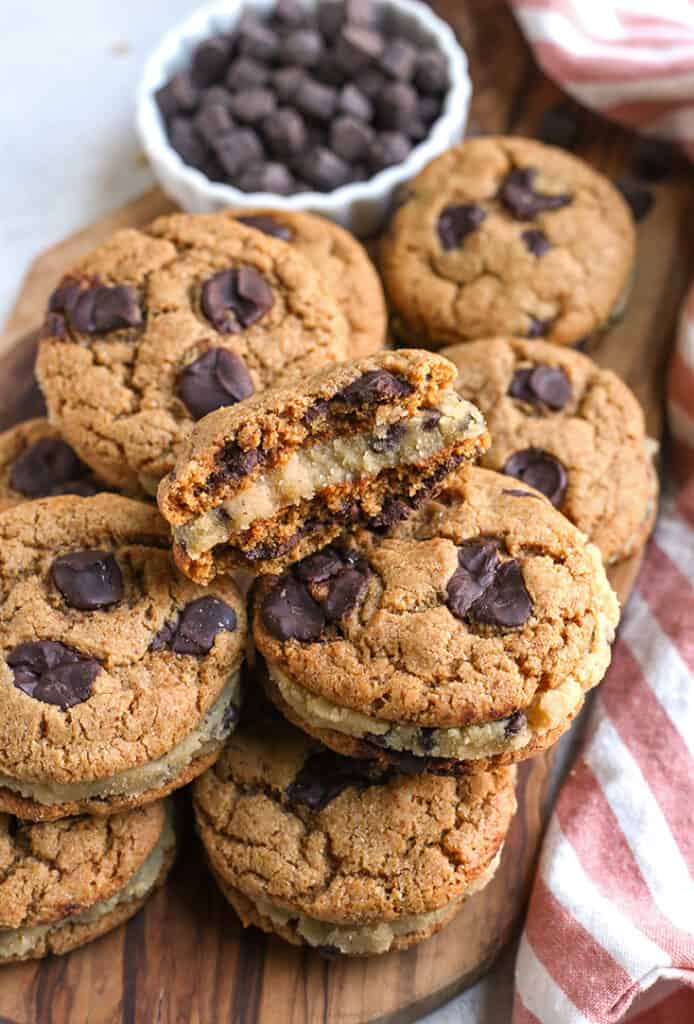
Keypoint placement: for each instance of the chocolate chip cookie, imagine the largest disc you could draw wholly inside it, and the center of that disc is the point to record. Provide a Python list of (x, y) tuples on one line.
[(262, 485), (35, 462), (344, 265), (340, 854), (505, 235), (64, 883), (119, 680), (572, 430), (158, 327), (467, 638)]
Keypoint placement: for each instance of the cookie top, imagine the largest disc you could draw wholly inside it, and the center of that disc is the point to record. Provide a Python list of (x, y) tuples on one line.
[(108, 657), (574, 431), (503, 235), (35, 462), (53, 870), (284, 820), (344, 265), (160, 326), (476, 607)]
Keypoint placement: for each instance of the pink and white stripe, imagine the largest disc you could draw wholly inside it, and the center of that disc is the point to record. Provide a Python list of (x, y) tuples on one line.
[(610, 929)]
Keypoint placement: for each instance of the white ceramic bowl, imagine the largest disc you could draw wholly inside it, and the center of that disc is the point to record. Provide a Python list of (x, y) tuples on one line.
[(360, 206)]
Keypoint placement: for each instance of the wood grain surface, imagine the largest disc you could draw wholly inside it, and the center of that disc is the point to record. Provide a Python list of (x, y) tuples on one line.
[(184, 959)]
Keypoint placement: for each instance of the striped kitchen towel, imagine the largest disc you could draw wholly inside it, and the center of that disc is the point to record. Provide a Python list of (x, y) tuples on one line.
[(610, 929)]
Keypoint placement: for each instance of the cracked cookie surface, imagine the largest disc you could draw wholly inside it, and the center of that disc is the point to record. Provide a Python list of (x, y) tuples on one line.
[(545, 405), (159, 326), (119, 679), (469, 635), (328, 852), (343, 264), (504, 235)]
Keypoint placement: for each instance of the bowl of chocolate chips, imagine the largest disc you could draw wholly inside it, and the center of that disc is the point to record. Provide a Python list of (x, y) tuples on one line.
[(327, 106)]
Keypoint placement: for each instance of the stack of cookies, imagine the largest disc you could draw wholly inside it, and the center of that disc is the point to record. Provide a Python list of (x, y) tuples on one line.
[(419, 623)]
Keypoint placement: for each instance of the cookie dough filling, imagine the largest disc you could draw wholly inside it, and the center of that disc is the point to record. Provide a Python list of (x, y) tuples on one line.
[(547, 711), (211, 732), (341, 460), (374, 936), (20, 942)]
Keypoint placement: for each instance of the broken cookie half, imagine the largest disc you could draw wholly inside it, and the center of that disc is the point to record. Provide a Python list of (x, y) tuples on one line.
[(278, 476)]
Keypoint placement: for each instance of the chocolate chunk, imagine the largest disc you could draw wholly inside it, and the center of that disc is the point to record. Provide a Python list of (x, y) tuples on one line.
[(355, 103), (251, 106), (325, 775), (210, 59), (538, 328), (560, 126), (653, 159), (163, 637), (397, 106), (455, 223), (515, 724), (536, 242), (389, 148), (356, 47), (314, 99), (319, 567), (505, 602), (351, 139), (286, 82), (271, 177), (639, 198), (52, 672), (212, 122), (431, 72), (239, 149), (541, 384), (215, 379), (324, 169), (100, 309), (177, 96), (538, 469), (374, 388), (389, 441), (285, 132), (255, 38), (478, 561), (398, 59), (268, 225), (184, 138), (520, 198), (235, 299), (246, 73), (49, 467), (290, 613), (302, 47), (238, 462), (393, 511), (89, 579), (199, 624), (64, 297), (344, 592)]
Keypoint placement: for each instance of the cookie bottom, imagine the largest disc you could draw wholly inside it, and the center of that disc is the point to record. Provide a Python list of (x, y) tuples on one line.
[(63, 936), (370, 939)]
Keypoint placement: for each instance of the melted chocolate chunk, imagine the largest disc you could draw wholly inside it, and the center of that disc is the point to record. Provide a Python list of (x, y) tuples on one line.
[(373, 388), (319, 567), (50, 467), (325, 775), (516, 723), (389, 441), (268, 225), (344, 592), (290, 613), (98, 309), (215, 379), (235, 299), (478, 561), (505, 602), (536, 241), (520, 198), (88, 580), (539, 469), (238, 462), (196, 628), (541, 385), (455, 223), (393, 511), (53, 672)]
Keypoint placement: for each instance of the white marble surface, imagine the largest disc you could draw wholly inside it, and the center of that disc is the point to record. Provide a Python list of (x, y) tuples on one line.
[(68, 73)]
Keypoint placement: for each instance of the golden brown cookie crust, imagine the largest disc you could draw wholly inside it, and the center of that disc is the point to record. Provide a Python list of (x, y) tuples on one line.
[(409, 845), (493, 284), (599, 436), (125, 418), (346, 269), (142, 702)]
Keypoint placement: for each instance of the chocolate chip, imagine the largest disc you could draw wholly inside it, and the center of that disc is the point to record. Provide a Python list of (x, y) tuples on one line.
[(387, 149), (429, 108), (478, 561), (639, 198), (324, 169), (215, 96), (455, 223), (653, 159), (290, 613), (397, 106), (210, 59), (178, 95), (536, 242), (319, 567), (289, 13), (325, 775), (89, 579), (302, 47), (255, 39), (251, 106), (185, 139), (351, 139), (196, 628), (268, 225), (100, 309), (538, 328), (353, 102), (238, 462), (431, 72), (344, 592), (356, 47), (52, 672), (315, 99), (246, 73), (270, 177), (216, 378), (235, 299), (374, 388), (520, 198), (286, 82), (505, 602), (333, 14), (541, 384), (49, 467), (390, 440), (285, 132), (398, 59), (370, 82), (515, 724), (538, 469), (560, 126), (239, 149), (212, 122)]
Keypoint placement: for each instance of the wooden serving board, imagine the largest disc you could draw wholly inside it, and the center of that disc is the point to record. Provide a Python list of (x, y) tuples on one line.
[(184, 958)]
